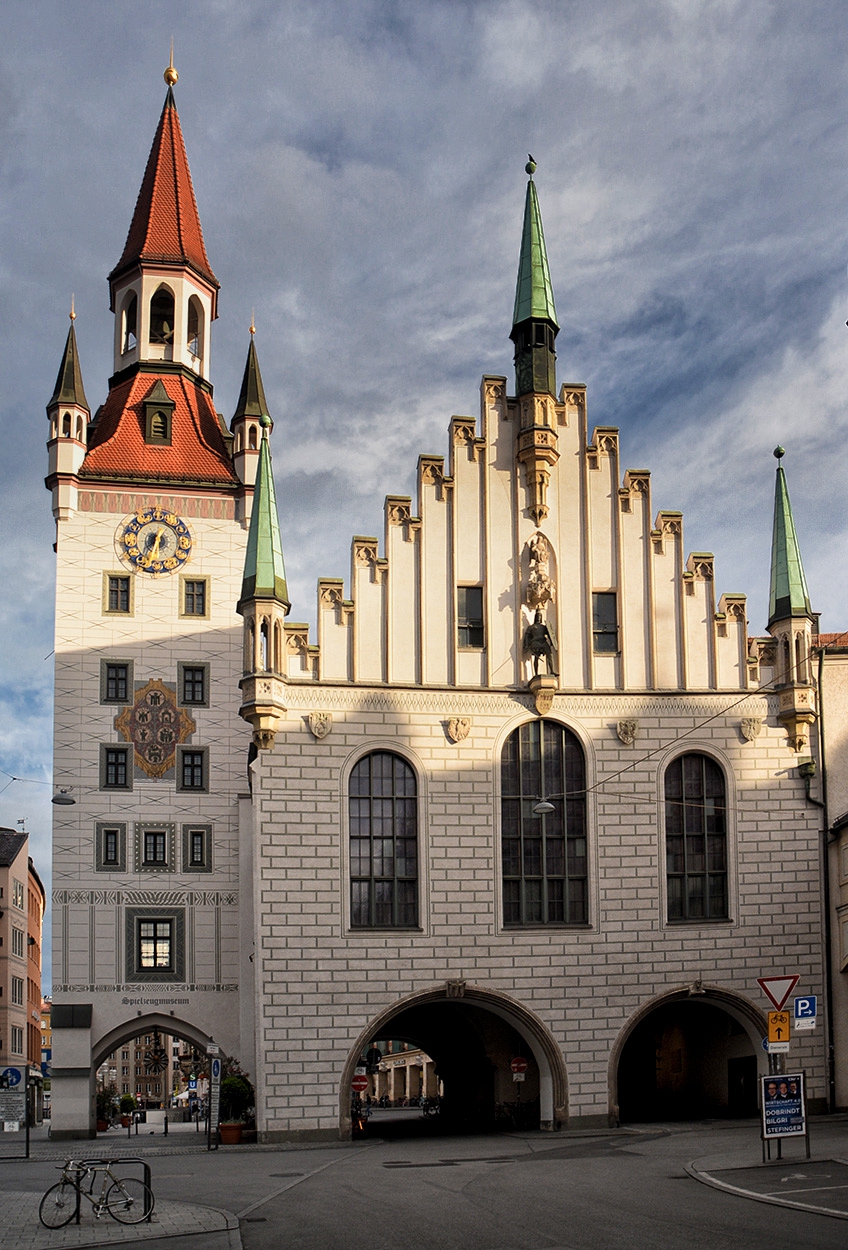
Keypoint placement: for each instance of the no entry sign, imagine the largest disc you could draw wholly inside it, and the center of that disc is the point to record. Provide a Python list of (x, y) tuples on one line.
[(359, 1084)]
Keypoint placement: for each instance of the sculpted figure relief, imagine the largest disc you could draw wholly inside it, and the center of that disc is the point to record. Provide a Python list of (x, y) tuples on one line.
[(539, 644), (540, 586)]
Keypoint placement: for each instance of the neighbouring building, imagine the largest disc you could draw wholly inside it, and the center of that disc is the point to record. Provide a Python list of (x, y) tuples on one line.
[(533, 801), (22, 902)]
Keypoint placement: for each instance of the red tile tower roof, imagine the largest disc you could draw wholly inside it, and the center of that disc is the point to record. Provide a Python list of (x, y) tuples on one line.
[(165, 227), (198, 451)]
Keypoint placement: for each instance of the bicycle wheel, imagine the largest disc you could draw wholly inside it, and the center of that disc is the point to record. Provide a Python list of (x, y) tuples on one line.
[(129, 1200), (58, 1206)]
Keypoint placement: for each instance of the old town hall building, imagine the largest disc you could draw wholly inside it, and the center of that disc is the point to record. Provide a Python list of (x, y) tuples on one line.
[(531, 791)]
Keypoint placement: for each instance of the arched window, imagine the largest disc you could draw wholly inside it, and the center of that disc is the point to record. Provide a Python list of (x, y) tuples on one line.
[(696, 839), (544, 853), (195, 326), (66, 425), (162, 316), (129, 330), (251, 438), (383, 810)]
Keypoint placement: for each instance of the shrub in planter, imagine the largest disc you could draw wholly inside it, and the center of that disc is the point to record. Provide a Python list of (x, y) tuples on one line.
[(127, 1106)]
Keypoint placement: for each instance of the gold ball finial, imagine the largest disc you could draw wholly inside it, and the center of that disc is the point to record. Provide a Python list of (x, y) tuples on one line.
[(72, 314), (252, 321), (171, 74)]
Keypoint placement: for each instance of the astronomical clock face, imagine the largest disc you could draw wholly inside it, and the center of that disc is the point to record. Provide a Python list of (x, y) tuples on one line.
[(155, 541)]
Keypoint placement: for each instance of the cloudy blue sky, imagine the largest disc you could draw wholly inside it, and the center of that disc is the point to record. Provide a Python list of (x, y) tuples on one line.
[(359, 172)]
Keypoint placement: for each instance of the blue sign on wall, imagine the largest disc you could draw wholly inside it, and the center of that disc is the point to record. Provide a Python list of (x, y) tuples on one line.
[(805, 1008)]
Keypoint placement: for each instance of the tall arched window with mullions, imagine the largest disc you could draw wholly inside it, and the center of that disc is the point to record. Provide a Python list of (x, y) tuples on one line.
[(696, 839), (544, 853), (383, 807)]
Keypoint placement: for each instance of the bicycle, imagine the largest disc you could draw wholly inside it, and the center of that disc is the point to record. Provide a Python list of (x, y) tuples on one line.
[(127, 1199)]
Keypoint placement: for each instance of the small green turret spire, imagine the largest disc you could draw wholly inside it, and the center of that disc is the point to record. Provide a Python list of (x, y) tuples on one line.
[(788, 594), (534, 323), (264, 568), (251, 400), (69, 388)]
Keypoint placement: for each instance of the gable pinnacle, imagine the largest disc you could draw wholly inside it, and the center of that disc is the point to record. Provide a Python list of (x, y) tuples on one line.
[(264, 567), (788, 595)]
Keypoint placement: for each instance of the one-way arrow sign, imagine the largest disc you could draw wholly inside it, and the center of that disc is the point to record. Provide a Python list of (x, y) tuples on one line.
[(778, 989)]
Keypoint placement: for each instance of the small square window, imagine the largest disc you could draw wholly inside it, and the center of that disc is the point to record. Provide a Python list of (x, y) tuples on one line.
[(116, 681), (193, 684), (197, 848), (115, 768), (192, 769), (110, 848), (195, 596), (154, 847), (117, 594), (469, 614), (604, 622), (155, 851)]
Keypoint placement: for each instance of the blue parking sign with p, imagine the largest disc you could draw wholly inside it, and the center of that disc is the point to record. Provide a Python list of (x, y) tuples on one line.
[(805, 1008)]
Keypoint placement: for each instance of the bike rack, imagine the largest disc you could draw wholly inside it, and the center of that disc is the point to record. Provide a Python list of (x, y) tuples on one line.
[(108, 1163)]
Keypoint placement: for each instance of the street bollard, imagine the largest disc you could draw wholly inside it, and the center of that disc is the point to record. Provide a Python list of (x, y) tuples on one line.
[(166, 1126)]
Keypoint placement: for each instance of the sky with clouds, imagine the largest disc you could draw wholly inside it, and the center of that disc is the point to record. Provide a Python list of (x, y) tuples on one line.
[(359, 170)]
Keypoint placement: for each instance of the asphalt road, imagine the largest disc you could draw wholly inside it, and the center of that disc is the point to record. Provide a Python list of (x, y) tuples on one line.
[(511, 1192), (527, 1194)]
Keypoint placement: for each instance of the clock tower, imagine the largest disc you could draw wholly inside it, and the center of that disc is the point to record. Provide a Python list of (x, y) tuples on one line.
[(152, 500)]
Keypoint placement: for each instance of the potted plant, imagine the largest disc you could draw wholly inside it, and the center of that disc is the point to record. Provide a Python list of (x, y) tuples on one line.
[(104, 1105), (236, 1100), (128, 1107)]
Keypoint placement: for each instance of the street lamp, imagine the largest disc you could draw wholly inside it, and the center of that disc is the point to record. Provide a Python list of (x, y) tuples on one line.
[(544, 807)]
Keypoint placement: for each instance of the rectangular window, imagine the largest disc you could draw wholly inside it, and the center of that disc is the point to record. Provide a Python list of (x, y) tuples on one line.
[(18, 894), (604, 622), (194, 596), (17, 1040), (155, 848), (116, 681), (197, 848), (115, 768), (117, 593), (18, 991), (469, 615), (110, 843), (155, 944), (17, 942), (192, 769), (192, 684)]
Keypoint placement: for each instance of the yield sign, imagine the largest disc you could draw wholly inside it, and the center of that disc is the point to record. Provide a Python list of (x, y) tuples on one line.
[(778, 989)]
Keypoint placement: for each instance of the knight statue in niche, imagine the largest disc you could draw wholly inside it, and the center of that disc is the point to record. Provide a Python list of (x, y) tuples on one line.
[(539, 644), (540, 585)]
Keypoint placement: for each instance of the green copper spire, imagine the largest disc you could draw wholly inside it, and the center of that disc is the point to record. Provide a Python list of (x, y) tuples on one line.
[(534, 323), (788, 592), (69, 388), (264, 570), (251, 400), (534, 294)]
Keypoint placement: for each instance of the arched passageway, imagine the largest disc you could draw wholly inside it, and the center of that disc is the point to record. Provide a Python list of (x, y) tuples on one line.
[(689, 1057), (472, 1040)]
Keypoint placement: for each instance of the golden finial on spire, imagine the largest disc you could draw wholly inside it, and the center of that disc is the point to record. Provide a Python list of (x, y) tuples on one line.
[(252, 322), (171, 74), (72, 314)]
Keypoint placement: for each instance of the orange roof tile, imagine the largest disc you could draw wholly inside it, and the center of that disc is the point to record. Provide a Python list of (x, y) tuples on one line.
[(166, 225), (198, 450)]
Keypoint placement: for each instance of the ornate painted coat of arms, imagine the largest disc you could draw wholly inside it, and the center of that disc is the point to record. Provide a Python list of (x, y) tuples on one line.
[(155, 726)]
